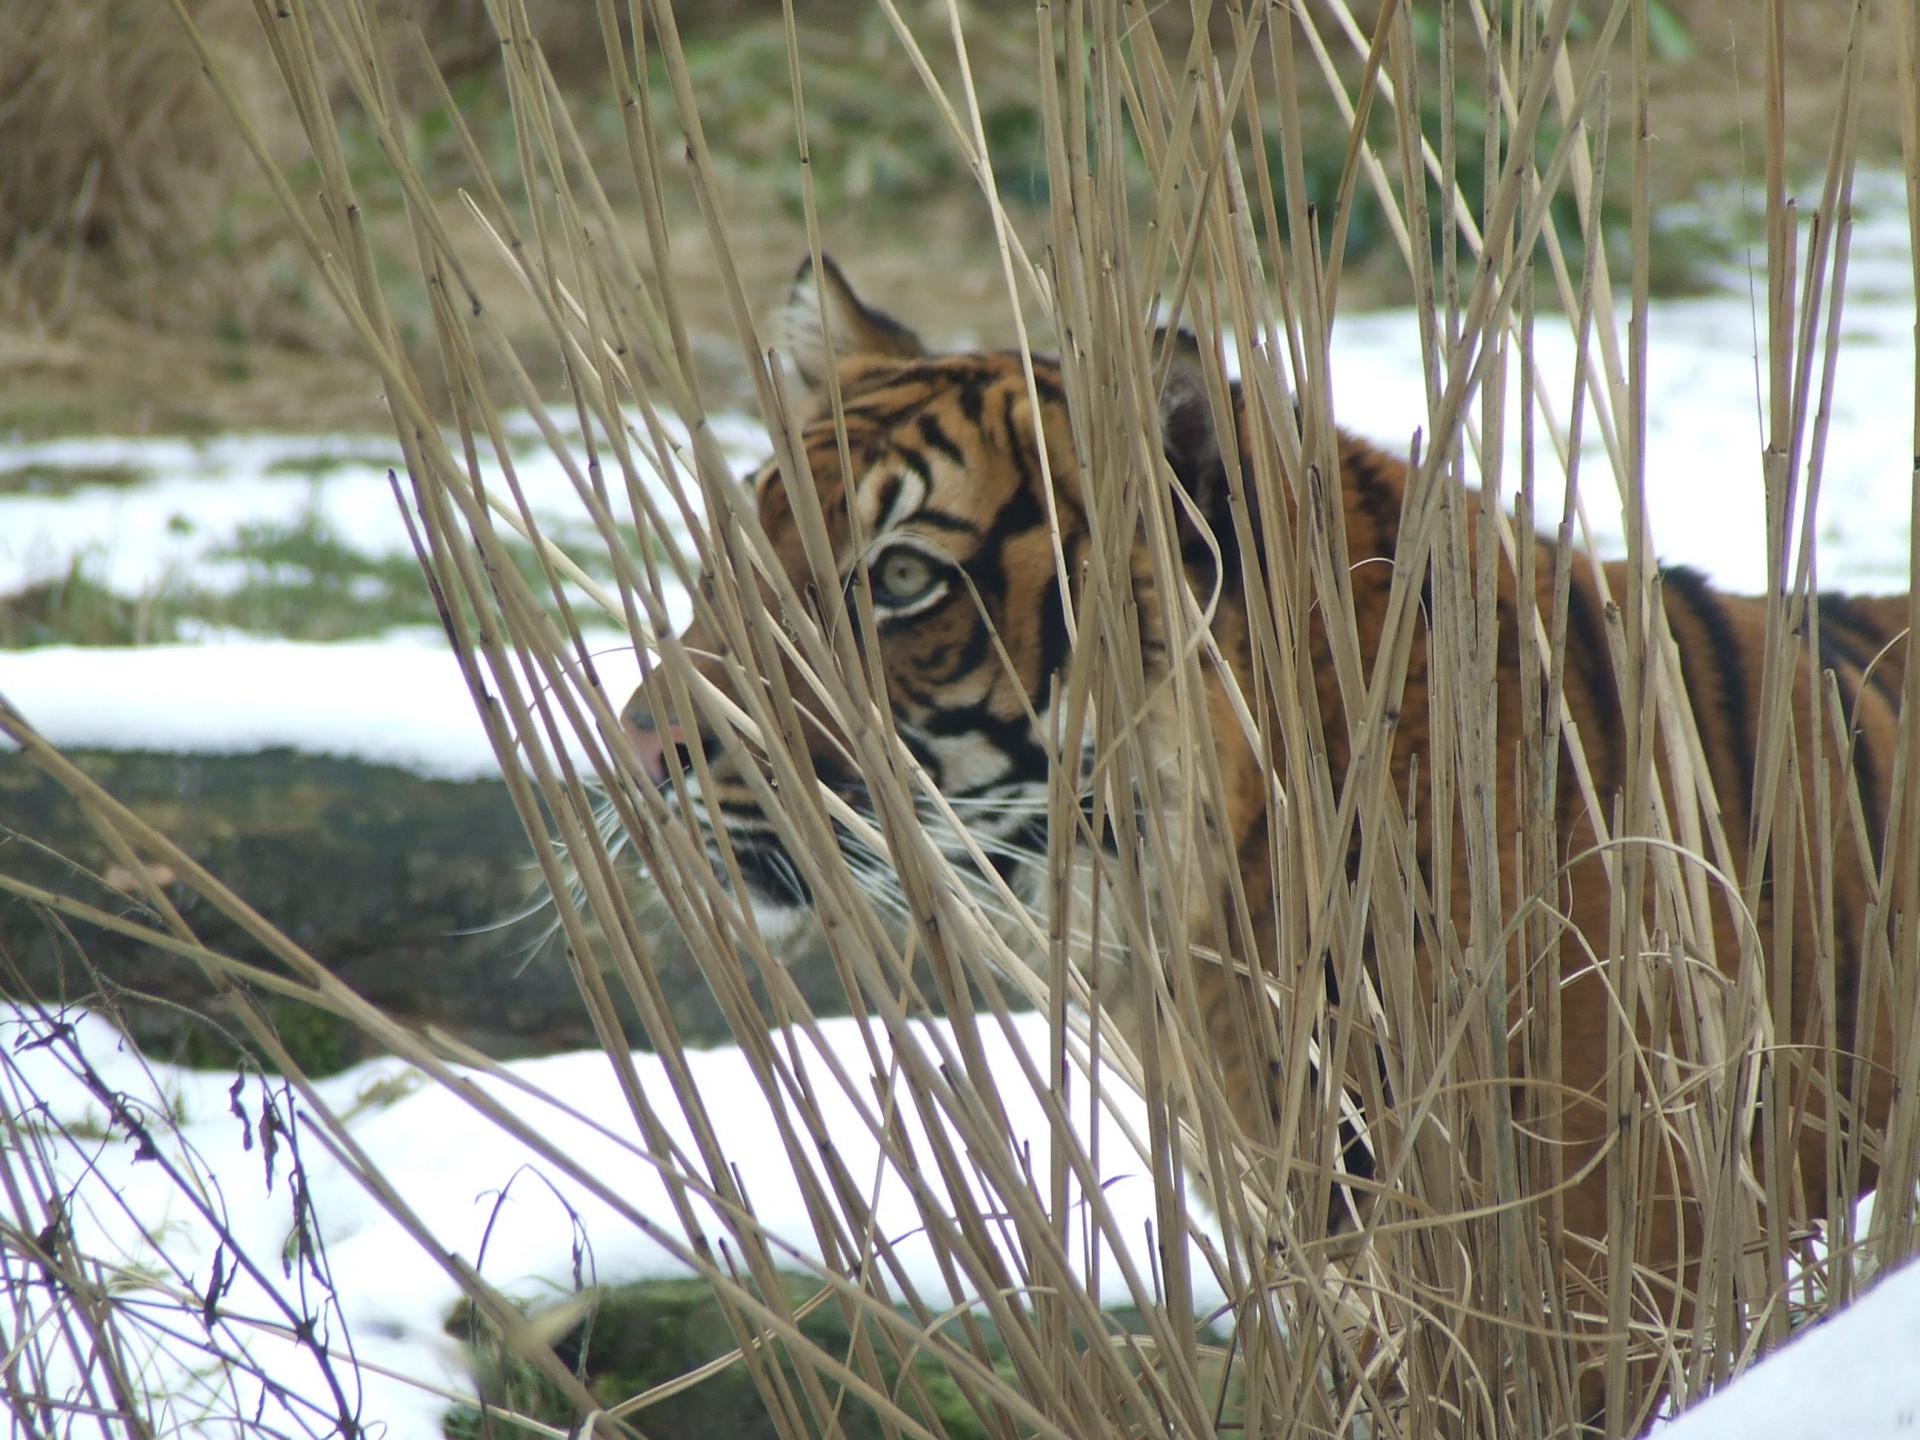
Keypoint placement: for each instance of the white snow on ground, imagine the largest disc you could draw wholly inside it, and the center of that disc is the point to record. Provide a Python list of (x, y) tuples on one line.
[(1856, 1376), (483, 1195), (401, 700)]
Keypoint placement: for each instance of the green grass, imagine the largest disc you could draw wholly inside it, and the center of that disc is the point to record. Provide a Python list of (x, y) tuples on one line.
[(40, 478), (874, 136), (1690, 251), (318, 464), (298, 581), (75, 609), (635, 1337), (301, 581), (319, 1042)]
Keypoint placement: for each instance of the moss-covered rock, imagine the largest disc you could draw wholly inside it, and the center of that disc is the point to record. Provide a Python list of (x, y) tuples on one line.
[(631, 1339)]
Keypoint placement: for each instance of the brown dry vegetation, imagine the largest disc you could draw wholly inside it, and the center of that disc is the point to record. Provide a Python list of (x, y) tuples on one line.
[(147, 283)]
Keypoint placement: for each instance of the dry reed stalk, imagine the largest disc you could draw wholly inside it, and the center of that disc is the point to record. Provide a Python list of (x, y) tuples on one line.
[(1454, 1310)]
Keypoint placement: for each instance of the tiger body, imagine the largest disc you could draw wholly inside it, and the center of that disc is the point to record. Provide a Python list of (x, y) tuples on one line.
[(960, 521)]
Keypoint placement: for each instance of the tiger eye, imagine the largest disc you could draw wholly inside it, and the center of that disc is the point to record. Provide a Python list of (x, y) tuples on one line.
[(903, 576)]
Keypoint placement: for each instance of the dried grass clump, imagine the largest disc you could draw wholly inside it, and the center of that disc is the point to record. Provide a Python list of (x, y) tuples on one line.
[(117, 150), (126, 184)]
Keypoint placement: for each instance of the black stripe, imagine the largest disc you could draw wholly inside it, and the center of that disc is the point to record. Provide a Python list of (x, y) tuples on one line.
[(1024, 458), (934, 435), (972, 402), (1590, 658), (1013, 738), (1846, 613), (1844, 631), (1054, 639), (889, 492), (1012, 374), (1709, 610), (1378, 500), (948, 521), (1021, 512), (767, 870), (948, 662)]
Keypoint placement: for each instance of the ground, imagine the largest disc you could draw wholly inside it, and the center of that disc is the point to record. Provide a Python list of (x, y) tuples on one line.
[(224, 327)]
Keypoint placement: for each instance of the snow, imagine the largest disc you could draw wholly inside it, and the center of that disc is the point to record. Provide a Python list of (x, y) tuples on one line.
[(483, 1194), (401, 700), (175, 510), (1857, 1375), (491, 1199)]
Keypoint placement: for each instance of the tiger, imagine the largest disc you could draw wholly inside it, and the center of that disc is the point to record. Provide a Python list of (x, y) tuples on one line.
[(967, 546)]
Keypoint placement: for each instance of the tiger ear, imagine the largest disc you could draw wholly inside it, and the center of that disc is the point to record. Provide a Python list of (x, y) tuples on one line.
[(823, 322), (1191, 439)]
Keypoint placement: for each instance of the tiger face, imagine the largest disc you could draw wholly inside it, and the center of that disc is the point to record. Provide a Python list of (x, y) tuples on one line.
[(942, 524)]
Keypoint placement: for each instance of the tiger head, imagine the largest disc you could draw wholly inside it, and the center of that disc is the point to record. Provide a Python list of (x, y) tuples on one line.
[(958, 511)]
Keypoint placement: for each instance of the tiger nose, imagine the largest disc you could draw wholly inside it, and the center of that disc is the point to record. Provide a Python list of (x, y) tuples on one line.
[(649, 740)]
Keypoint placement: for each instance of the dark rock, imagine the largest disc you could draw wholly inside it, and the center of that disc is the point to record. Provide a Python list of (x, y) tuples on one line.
[(421, 894)]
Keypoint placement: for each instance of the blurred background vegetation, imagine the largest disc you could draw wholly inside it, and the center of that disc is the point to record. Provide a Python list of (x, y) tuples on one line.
[(147, 282)]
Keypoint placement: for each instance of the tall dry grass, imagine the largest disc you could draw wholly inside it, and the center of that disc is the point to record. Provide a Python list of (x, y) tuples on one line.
[(1451, 1311)]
